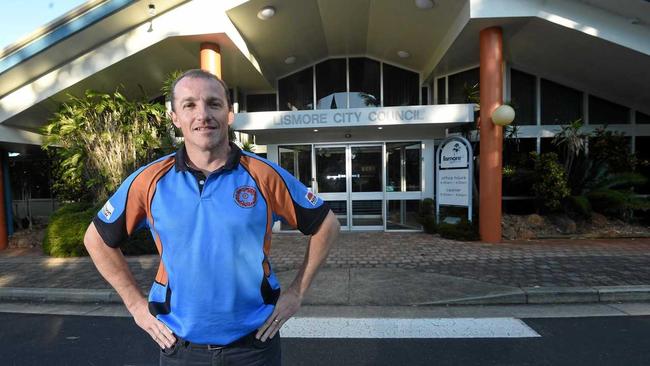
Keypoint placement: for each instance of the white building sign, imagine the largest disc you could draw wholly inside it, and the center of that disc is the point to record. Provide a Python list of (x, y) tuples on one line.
[(454, 174), (448, 113), (453, 187)]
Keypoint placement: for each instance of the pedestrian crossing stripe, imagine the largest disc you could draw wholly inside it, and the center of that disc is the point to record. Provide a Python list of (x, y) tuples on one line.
[(406, 328)]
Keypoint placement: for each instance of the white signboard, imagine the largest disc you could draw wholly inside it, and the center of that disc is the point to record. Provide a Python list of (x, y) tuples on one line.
[(454, 155), (453, 187), (454, 174), (448, 113)]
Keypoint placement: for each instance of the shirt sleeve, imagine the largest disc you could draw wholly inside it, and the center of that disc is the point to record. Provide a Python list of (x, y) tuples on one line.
[(306, 210), (123, 213)]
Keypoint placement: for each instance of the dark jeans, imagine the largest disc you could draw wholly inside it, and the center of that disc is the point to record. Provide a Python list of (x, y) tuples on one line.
[(250, 353)]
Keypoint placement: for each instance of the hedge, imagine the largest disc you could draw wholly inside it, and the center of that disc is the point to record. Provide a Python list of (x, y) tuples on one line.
[(65, 233)]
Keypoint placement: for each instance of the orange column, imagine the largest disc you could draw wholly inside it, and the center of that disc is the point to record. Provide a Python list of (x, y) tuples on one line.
[(211, 58), (4, 239), (491, 135)]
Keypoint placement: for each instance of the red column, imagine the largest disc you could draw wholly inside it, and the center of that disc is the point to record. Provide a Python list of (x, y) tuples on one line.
[(491, 144), (4, 239), (211, 58)]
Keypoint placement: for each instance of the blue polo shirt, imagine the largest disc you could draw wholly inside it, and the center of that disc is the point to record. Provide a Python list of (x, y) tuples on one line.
[(215, 282)]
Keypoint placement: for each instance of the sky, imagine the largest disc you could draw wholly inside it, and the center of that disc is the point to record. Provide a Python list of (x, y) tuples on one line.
[(19, 18)]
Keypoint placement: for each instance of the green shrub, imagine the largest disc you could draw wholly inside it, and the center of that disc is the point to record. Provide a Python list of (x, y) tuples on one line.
[(65, 233), (550, 186), (464, 230)]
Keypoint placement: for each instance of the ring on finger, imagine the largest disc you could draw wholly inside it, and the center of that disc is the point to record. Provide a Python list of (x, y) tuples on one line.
[(276, 320)]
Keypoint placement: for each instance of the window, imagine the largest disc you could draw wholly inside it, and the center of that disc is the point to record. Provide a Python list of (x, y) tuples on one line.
[(642, 118), (364, 83), (297, 161), (442, 91), (331, 84), (30, 175), (560, 104), (463, 86), (402, 215), (261, 102), (297, 91), (401, 87), (602, 112), (522, 95), (403, 167), (546, 145)]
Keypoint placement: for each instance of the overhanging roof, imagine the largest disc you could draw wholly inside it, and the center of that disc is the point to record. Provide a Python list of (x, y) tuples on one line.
[(587, 44)]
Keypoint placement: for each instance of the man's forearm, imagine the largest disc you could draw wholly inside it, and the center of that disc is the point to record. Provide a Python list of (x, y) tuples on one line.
[(317, 251), (112, 266)]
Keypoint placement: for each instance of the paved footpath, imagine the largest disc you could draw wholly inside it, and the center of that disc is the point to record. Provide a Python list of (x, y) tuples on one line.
[(391, 269)]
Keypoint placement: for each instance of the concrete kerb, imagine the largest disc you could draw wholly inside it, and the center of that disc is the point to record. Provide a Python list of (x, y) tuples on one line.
[(535, 295), (59, 295)]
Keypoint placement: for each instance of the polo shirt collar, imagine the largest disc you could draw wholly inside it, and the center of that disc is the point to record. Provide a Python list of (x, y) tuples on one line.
[(231, 163)]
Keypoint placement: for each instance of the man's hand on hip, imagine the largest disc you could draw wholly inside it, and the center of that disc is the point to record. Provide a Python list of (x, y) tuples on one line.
[(156, 329), (287, 305)]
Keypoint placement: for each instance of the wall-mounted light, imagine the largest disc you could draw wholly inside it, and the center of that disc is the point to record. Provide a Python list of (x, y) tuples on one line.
[(266, 13), (503, 115), (315, 130), (403, 54), (424, 4), (380, 128), (151, 9)]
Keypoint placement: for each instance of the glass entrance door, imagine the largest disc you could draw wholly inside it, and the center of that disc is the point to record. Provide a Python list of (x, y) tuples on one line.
[(350, 179), (331, 179), (366, 193)]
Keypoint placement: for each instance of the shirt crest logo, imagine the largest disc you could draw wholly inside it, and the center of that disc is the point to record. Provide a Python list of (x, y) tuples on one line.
[(246, 196), (312, 198), (107, 210)]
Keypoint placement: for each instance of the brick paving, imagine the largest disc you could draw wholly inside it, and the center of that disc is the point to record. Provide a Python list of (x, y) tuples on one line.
[(564, 263)]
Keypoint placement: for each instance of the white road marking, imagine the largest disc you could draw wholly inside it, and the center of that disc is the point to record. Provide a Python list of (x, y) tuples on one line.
[(406, 328)]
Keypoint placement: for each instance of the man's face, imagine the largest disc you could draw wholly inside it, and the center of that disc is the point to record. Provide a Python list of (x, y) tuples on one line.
[(202, 113)]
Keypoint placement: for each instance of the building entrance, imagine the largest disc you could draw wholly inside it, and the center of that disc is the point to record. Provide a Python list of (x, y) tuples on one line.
[(350, 178), (369, 186)]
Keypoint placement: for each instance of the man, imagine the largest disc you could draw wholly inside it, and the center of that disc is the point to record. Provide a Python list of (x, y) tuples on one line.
[(210, 208)]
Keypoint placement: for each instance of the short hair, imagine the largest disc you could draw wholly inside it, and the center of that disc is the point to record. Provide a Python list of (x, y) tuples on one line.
[(199, 74)]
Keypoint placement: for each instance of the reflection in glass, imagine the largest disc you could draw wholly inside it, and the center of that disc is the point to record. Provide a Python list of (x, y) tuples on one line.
[(261, 102), (367, 213), (296, 91), (463, 86), (297, 161), (604, 112), (560, 104), (401, 87), (364, 83), (366, 169), (523, 93), (330, 169), (331, 84), (402, 215), (403, 168)]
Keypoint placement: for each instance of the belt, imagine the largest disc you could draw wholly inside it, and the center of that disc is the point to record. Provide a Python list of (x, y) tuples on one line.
[(246, 340)]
